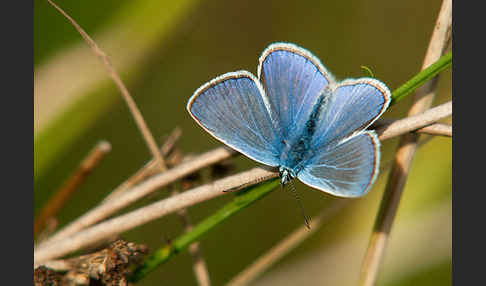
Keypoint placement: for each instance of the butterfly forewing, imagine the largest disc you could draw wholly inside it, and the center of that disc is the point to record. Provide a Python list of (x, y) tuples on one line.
[(292, 78), (353, 105), (233, 108)]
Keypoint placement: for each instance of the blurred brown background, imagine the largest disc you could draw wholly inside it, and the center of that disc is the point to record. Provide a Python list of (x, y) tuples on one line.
[(164, 50)]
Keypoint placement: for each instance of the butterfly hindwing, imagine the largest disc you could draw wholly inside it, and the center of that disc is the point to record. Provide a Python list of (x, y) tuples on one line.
[(346, 169), (233, 108)]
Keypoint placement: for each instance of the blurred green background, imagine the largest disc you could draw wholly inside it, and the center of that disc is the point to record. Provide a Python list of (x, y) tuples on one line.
[(164, 50)]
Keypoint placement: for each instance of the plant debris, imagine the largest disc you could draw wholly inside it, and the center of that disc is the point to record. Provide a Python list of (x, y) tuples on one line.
[(109, 266)]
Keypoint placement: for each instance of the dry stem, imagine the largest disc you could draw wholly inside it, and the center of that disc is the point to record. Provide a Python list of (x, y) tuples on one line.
[(199, 264), (405, 153), (415, 122), (439, 129)]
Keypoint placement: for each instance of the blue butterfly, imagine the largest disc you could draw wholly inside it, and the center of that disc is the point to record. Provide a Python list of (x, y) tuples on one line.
[(297, 117)]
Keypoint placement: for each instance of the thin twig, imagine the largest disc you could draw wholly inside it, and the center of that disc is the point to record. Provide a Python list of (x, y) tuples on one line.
[(148, 169), (405, 153), (416, 121), (57, 246), (438, 129), (287, 244), (199, 264), (61, 197), (132, 106)]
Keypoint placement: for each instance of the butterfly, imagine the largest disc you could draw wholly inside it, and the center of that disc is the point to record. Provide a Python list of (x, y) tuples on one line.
[(295, 116)]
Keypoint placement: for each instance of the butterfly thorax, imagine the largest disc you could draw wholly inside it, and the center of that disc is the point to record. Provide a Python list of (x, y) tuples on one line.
[(294, 155)]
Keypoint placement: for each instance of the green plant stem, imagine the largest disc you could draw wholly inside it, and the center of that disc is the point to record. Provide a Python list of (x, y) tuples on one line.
[(422, 77), (240, 202), (257, 192)]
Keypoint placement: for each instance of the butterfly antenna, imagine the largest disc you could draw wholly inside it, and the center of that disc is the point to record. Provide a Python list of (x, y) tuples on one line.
[(296, 195)]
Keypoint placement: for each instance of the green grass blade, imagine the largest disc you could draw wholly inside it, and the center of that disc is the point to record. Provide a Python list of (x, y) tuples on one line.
[(422, 77), (367, 71)]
